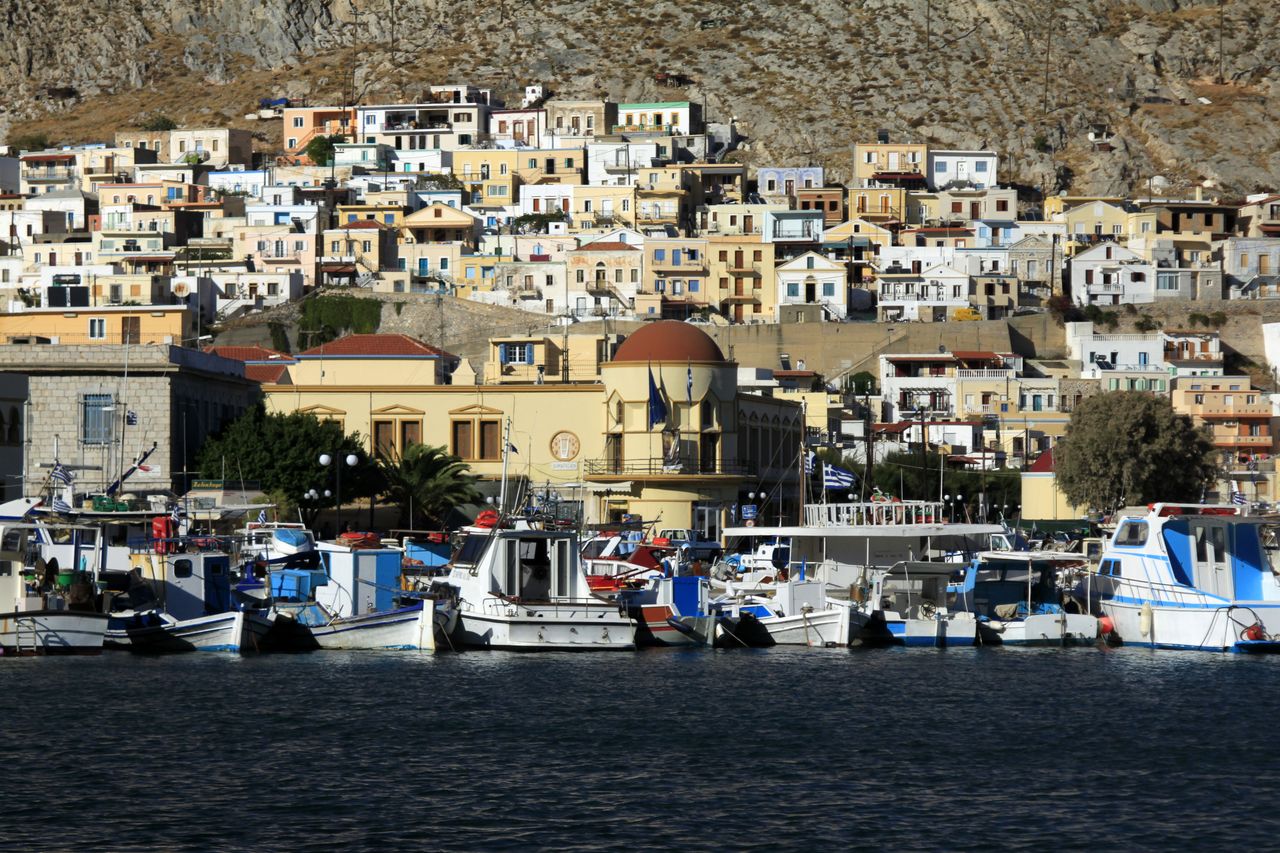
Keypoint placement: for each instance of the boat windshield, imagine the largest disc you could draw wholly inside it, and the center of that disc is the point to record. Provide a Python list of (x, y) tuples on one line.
[(471, 548), (595, 548)]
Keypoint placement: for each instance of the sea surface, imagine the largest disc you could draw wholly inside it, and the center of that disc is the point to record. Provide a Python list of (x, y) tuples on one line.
[(780, 749)]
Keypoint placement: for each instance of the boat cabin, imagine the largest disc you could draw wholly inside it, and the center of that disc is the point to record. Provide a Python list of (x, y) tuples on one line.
[(1217, 550), (185, 584), (360, 580), (524, 565)]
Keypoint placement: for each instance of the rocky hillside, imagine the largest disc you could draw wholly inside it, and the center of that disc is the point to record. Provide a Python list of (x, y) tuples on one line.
[(803, 78)]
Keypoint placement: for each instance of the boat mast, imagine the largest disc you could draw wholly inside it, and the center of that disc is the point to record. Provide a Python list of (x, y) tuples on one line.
[(506, 453)]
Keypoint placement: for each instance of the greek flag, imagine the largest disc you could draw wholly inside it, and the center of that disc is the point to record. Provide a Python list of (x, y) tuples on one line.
[(178, 514), (59, 505), (262, 516), (808, 461), (657, 408), (1238, 497), (836, 478), (60, 474)]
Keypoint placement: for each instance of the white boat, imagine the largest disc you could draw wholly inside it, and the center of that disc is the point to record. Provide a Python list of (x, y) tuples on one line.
[(794, 612), (911, 608), (851, 548), (155, 632), (1188, 576), (179, 599), (671, 611), (1022, 598), (43, 611), (354, 600), (525, 589)]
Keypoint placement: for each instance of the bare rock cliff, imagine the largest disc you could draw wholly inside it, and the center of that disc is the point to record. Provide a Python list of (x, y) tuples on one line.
[(804, 79)]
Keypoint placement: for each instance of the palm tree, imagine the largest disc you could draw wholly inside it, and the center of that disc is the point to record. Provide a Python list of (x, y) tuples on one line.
[(427, 482)]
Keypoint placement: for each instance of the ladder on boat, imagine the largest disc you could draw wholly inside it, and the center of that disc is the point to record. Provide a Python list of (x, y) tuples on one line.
[(25, 626)]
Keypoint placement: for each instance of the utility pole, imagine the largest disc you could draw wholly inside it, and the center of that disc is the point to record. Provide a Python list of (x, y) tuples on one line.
[(1222, 25)]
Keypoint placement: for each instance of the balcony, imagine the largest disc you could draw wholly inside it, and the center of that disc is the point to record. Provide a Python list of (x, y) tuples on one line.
[(985, 373), (687, 267), (56, 173), (659, 217), (665, 129), (658, 467), (743, 268), (1253, 441), (1105, 288), (808, 234)]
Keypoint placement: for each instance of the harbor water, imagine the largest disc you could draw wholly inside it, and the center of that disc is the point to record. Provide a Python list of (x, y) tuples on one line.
[(782, 749)]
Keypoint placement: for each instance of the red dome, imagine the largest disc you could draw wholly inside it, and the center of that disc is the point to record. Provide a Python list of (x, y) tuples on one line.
[(668, 340)]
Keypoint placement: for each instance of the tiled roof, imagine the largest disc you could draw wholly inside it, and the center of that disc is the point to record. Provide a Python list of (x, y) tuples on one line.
[(1043, 463), (607, 247), (393, 345), (265, 374), (250, 354)]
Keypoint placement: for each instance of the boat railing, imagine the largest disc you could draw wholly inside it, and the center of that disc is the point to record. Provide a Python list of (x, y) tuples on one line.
[(182, 544), (504, 605), (873, 513), (1161, 590)]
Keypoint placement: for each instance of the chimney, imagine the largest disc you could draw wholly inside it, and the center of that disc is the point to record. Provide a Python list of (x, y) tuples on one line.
[(1199, 193)]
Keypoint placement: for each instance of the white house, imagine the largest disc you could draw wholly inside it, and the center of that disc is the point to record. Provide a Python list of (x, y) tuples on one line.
[(972, 168), (932, 295), (1110, 274), (546, 198), (812, 279), (616, 164), (249, 182)]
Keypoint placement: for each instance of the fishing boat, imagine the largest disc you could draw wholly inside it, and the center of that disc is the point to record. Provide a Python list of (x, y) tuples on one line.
[(1023, 598), (177, 597), (852, 549), (670, 610), (525, 589), (911, 609), (44, 611), (1189, 576), (355, 598), (792, 612)]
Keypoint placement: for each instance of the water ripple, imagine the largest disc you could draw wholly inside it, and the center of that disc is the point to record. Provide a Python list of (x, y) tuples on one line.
[(783, 749)]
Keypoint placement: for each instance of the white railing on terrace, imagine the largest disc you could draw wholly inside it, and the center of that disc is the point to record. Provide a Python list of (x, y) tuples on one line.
[(1125, 337), (874, 513), (985, 373)]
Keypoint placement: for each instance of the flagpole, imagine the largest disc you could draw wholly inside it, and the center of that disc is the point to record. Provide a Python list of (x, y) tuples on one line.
[(800, 461)]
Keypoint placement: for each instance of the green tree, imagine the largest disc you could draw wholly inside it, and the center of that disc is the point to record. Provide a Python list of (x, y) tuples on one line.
[(159, 122), (426, 483), (1127, 448), (320, 149), (282, 451)]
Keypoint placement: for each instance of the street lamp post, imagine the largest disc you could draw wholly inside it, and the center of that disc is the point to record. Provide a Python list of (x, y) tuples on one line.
[(325, 461)]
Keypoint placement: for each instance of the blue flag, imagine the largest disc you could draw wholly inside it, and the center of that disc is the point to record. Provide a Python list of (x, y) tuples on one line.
[(657, 408), (836, 478)]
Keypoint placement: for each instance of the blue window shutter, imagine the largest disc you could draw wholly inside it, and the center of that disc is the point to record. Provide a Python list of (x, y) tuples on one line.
[(502, 353), (528, 353)]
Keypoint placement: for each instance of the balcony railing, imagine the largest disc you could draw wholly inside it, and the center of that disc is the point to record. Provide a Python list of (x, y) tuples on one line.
[(873, 514), (658, 466), (985, 373), (57, 173)]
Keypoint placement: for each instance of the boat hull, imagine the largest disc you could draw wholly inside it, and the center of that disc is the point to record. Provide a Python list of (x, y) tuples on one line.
[(1046, 629), (659, 625), (955, 631), (830, 627), (235, 631), (415, 628), (1206, 627), (52, 632), (551, 628), (742, 631)]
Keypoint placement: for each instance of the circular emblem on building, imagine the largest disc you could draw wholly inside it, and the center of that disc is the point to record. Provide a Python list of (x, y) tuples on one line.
[(564, 445)]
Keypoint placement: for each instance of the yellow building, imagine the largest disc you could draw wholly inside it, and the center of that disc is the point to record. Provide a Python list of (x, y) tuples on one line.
[(676, 270), (100, 324), (881, 204), (742, 273), (598, 208), (601, 443), (879, 158), (488, 174), (356, 250), (1042, 500)]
